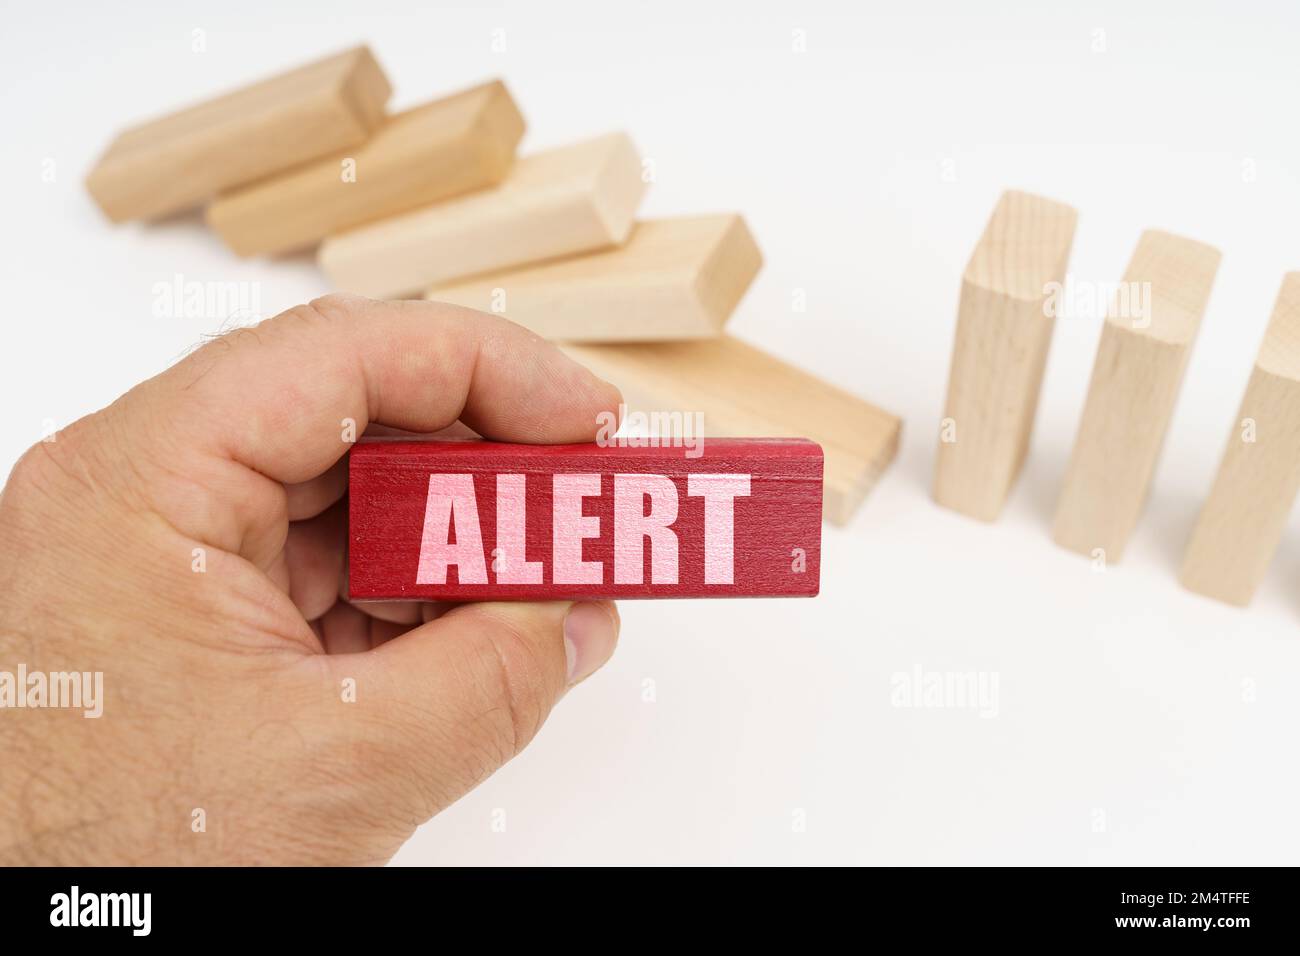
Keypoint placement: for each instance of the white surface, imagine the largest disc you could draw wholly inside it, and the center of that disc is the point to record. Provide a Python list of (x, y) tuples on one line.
[(1123, 700)]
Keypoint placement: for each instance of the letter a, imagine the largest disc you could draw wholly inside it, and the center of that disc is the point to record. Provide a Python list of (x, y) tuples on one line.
[(451, 503)]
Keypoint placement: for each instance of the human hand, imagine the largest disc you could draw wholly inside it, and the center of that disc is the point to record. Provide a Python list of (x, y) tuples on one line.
[(188, 542)]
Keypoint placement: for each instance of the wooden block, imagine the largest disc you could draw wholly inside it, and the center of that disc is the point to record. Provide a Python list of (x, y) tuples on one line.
[(560, 202), (1242, 520), (1145, 343), (470, 520), (1003, 334), (674, 279), (421, 156), (742, 390), (182, 160)]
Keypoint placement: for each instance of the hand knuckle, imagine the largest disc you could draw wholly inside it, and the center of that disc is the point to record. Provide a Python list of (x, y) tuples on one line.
[(334, 307)]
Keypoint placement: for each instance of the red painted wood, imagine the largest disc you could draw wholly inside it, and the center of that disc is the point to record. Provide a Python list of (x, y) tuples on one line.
[(402, 523)]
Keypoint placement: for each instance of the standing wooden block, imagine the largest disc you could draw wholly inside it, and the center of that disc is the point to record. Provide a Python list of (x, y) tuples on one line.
[(560, 202), (739, 389), (421, 156), (182, 160), (469, 520), (1145, 343), (1004, 330), (1242, 521), (674, 279)]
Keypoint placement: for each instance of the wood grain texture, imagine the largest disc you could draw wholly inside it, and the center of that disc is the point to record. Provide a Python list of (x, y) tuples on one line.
[(471, 520), (1242, 521), (560, 202), (417, 157), (742, 390), (1145, 344), (674, 279), (182, 160), (1000, 349)]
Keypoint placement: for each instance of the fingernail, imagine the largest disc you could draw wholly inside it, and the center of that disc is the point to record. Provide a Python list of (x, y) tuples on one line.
[(590, 633)]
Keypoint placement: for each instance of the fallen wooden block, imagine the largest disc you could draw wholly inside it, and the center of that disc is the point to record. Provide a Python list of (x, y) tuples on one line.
[(741, 390), (1004, 330), (182, 160), (1242, 520), (674, 279), (556, 203), (417, 157), (1145, 343), (469, 520)]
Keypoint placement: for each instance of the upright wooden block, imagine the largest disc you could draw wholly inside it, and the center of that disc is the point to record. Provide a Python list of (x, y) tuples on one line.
[(1004, 330), (417, 157), (674, 279), (740, 389), (468, 520), (1242, 520), (182, 160), (560, 202), (1145, 343)]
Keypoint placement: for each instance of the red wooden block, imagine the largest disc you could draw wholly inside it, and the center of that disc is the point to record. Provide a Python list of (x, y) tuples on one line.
[(471, 520)]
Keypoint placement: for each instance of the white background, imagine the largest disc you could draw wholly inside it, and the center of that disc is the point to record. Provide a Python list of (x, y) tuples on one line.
[(1135, 722)]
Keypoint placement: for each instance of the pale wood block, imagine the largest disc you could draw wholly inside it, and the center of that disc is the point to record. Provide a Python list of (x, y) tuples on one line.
[(742, 390), (1145, 343), (1242, 520), (417, 157), (560, 202), (674, 279), (182, 160), (1004, 330)]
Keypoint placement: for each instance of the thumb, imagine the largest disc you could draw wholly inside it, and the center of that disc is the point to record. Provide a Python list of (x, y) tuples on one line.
[(453, 700)]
